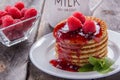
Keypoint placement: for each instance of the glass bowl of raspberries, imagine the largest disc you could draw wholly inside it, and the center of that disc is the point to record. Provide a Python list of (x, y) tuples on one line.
[(16, 23)]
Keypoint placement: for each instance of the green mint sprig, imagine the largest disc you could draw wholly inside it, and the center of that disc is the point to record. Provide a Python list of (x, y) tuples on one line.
[(99, 65)]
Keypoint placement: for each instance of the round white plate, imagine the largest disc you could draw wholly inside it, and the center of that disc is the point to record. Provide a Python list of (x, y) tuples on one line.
[(43, 51)]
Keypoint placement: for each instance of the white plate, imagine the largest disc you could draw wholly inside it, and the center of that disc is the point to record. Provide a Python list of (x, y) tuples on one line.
[(43, 51)]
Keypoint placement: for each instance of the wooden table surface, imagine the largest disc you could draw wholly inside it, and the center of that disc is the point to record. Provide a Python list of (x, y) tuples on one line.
[(14, 61)]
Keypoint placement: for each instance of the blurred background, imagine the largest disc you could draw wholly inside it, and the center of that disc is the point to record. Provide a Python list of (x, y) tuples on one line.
[(14, 61)]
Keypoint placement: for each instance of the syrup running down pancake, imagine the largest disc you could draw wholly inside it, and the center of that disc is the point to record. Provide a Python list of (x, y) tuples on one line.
[(75, 47)]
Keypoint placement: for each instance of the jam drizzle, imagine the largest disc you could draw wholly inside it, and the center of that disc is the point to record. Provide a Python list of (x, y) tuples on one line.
[(75, 36), (60, 34), (64, 65)]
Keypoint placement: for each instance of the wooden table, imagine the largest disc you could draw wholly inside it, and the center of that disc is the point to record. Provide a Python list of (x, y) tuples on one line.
[(14, 61)]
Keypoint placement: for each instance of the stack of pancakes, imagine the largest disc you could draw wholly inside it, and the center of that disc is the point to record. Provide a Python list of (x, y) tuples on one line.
[(77, 52)]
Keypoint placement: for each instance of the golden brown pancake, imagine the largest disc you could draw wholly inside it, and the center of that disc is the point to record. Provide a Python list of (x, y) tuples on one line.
[(78, 50)]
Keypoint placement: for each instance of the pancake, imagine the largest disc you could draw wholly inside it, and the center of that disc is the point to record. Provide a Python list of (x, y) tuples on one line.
[(78, 50)]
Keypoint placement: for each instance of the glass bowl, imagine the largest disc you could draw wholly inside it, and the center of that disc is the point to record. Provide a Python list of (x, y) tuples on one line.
[(17, 32)]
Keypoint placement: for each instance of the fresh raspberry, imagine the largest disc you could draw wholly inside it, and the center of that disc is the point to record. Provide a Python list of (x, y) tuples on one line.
[(7, 8), (5, 32), (20, 5), (17, 35), (23, 18), (7, 20), (19, 26), (80, 16), (28, 25), (0, 21), (74, 23), (3, 13), (8, 34), (23, 11), (16, 14), (13, 35), (89, 27), (30, 13)]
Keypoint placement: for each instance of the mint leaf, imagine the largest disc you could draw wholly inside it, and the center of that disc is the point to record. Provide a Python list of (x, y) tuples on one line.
[(99, 65), (102, 62), (106, 70), (86, 68), (93, 60), (105, 63)]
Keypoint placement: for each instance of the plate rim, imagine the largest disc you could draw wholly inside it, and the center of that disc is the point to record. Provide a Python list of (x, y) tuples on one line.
[(54, 74)]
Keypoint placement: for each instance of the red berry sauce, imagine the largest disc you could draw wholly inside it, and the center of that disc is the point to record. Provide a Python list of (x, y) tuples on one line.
[(63, 61), (64, 65), (75, 36)]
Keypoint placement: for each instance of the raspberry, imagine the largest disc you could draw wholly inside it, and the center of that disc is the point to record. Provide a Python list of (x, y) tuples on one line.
[(20, 5), (30, 13), (74, 23), (9, 35), (0, 21), (3, 13), (7, 20), (28, 25), (23, 11), (19, 26), (80, 16), (17, 35), (7, 8), (89, 27), (23, 18), (13, 35), (16, 14)]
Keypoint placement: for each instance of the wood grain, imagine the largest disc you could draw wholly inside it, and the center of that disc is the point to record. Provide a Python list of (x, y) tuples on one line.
[(13, 60), (108, 11)]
